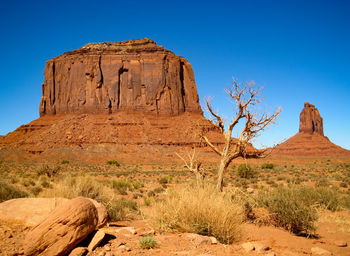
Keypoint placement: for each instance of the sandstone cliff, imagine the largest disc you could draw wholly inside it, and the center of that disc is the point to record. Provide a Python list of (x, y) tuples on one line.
[(310, 120), (135, 75)]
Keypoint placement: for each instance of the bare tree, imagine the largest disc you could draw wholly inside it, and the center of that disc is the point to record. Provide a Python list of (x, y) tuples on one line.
[(245, 98), (194, 166)]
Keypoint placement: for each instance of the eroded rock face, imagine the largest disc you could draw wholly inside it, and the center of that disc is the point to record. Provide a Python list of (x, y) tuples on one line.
[(310, 120), (135, 75)]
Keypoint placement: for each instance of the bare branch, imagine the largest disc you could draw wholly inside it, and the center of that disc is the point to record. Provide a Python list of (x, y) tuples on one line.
[(216, 150), (219, 121)]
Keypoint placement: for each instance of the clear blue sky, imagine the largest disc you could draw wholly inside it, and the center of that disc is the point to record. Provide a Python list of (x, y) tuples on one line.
[(298, 50)]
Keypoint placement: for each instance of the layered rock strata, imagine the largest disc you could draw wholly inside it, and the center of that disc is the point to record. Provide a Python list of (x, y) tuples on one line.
[(135, 75)]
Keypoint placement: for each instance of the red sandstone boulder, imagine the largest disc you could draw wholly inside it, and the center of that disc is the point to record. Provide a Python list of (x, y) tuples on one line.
[(135, 75), (63, 228)]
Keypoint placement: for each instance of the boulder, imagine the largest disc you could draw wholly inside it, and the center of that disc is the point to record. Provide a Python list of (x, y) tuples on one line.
[(29, 211), (62, 229), (133, 75), (310, 120), (101, 212), (96, 240)]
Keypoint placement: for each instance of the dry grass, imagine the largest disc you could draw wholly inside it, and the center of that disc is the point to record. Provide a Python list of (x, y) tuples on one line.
[(71, 187), (200, 210)]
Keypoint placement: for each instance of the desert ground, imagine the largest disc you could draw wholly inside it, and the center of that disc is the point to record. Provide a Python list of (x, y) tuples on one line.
[(141, 191)]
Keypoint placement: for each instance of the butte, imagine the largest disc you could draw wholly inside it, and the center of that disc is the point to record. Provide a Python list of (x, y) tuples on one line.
[(310, 140), (132, 100)]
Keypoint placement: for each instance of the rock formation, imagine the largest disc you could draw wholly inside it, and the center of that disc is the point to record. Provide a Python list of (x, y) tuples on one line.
[(310, 140), (134, 75), (63, 228), (310, 120), (133, 98)]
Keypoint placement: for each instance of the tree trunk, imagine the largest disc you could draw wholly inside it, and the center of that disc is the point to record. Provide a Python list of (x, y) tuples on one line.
[(222, 167)]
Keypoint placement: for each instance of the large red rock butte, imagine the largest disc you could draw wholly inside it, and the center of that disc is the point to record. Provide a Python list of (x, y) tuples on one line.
[(108, 100), (310, 140), (134, 75)]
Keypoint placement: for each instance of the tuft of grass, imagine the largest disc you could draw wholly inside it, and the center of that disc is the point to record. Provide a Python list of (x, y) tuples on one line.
[(148, 242), (200, 210), (113, 162), (71, 187), (267, 166), (289, 209), (8, 192), (64, 162), (245, 171)]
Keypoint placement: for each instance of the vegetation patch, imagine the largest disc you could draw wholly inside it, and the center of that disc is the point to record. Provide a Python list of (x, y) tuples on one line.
[(148, 242), (289, 209), (201, 210), (8, 192)]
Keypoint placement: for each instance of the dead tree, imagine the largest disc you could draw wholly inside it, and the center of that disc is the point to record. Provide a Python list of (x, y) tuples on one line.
[(194, 166), (245, 99)]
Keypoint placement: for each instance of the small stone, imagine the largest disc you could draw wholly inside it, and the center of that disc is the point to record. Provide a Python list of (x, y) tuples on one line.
[(102, 254), (198, 239), (248, 247), (341, 243), (96, 240), (259, 248), (213, 240), (271, 254), (124, 248), (148, 232), (107, 248), (126, 231), (250, 190), (79, 251), (320, 251)]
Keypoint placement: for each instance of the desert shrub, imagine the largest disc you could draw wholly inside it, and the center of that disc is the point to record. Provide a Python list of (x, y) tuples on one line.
[(245, 171), (267, 166), (136, 184), (121, 186), (200, 210), (148, 242), (121, 209), (323, 182), (321, 197), (165, 179), (64, 162), (35, 190), (48, 171), (147, 201), (8, 192), (343, 185), (45, 184), (289, 210), (113, 162)]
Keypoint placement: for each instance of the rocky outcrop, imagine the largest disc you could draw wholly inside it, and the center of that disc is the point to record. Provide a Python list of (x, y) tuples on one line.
[(310, 141), (62, 229), (135, 75), (310, 120)]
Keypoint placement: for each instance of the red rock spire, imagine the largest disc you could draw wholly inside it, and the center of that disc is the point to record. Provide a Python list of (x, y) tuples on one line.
[(310, 120)]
